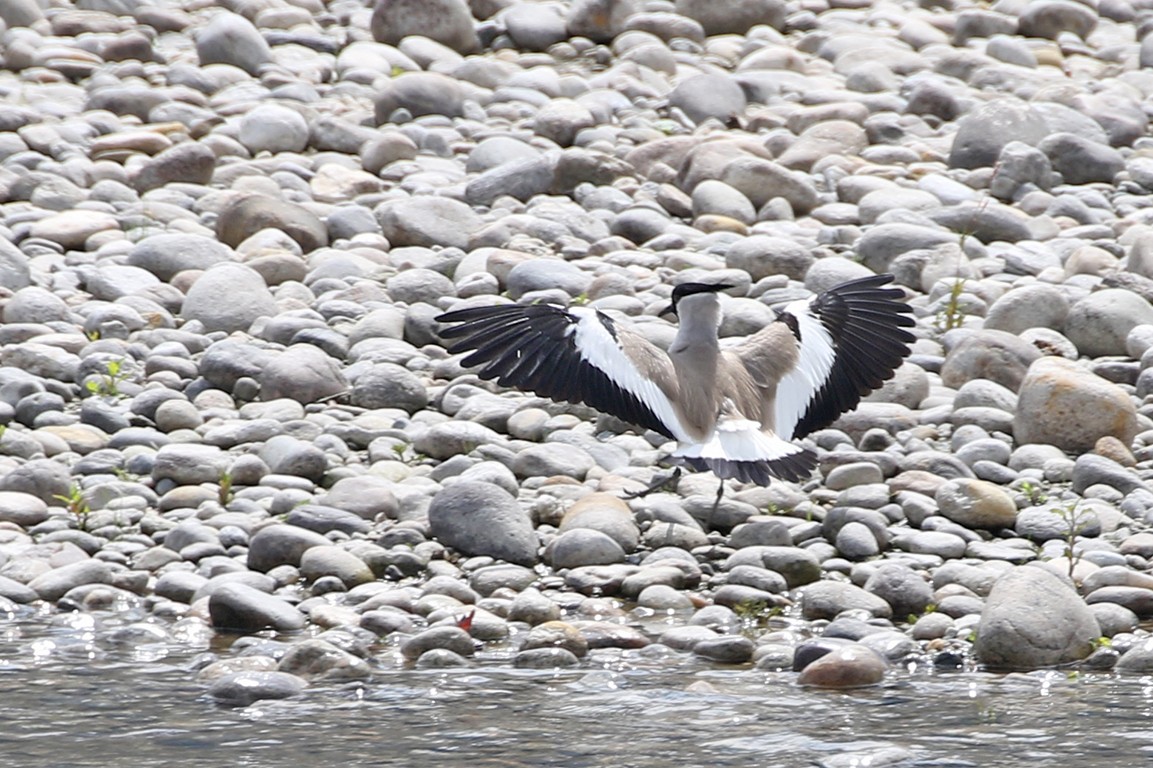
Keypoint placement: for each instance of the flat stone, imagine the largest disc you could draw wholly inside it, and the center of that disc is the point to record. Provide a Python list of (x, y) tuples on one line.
[(239, 689), (239, 607), (54, 584)]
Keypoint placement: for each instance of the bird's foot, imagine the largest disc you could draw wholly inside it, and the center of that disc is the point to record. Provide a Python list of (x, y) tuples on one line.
[(660, 483)]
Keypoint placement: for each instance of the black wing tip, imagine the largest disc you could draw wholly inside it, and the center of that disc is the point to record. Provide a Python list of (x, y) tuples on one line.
[(868, 325), (529, 347)]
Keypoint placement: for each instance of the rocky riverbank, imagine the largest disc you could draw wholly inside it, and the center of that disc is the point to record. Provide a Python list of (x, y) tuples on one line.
[(225, 229)]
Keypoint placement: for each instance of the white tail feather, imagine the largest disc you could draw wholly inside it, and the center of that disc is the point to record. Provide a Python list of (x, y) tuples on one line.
[(739, 440)]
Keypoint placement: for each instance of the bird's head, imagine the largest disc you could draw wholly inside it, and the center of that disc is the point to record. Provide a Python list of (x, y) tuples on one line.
[(690, 289)]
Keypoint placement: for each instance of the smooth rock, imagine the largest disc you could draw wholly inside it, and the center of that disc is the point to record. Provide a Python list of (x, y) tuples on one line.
[(976, 504), (54, 584), (482, 519), (850, 666), (232, 39), (316, 659), (984, 132), (446, 21), (1034, 619), (239, 607), (1062, 404), (827, 599), (303, 373), (276, 545), (240, 689), (1099, 324), (252, 213)]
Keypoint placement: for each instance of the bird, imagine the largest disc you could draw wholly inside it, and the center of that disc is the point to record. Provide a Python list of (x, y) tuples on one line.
[(735, 410)]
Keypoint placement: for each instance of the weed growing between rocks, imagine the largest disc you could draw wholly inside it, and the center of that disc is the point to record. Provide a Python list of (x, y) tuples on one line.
[(107, 383), (76, 505), (1074, 522)]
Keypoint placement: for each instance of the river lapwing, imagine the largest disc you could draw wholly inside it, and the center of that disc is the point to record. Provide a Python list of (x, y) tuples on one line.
[(735, 410)]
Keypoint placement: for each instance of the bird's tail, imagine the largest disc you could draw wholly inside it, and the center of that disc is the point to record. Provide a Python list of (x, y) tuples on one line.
[(740, 449)]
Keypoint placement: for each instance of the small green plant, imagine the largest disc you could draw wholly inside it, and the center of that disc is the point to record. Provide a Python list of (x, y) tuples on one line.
[(754, 614), (952, 315), (1033, 492), (93, 335), (407, 454), (1074, 524), (225, 494), (76, 505), (913, 617), (108, 383), (1102, 642)]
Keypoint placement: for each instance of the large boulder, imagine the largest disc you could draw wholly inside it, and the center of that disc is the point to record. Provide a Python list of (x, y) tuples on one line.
[(1063, 404), (255, 212), (445, 21), (987, 354), (228, 297), (1100, 323), (1032, 618), (984, 132), (483, 519)]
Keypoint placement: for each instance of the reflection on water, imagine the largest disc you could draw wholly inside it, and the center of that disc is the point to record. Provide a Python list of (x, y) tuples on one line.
[(68, 699)]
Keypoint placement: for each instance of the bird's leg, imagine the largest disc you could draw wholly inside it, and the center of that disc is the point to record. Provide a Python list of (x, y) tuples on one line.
[(716, 503), (658, 484)]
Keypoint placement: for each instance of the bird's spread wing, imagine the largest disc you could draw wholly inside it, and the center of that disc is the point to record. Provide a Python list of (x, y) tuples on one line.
[(576, 355), (850, 339)]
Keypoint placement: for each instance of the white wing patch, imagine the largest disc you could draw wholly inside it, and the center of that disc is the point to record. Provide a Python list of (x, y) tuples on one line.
[(799, 386), (601, 350), (739, 440)]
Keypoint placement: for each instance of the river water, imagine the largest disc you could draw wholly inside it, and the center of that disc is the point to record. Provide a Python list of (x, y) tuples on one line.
[(68, 698)]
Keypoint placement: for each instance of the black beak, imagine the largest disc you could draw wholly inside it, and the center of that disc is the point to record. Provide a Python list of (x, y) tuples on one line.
[(671, 309)]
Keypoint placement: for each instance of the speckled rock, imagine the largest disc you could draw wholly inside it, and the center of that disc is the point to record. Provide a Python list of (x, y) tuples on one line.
[(976, 504), (1062, 404)]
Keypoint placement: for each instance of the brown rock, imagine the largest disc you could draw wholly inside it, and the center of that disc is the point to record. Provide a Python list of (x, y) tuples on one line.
[(1062, 404), (252, 213), (853, 666)]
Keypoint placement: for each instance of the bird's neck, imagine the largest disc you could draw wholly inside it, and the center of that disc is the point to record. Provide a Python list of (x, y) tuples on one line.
[(700, 317), (695, 353)]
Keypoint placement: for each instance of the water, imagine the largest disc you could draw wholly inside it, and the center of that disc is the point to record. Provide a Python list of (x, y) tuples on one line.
[(69, 698)]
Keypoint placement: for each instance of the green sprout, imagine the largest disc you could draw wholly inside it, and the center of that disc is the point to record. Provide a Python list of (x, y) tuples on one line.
[(1075, 522), (108, 383), (1033, 492), (754, 614), (225, 493), (406, 454), (952, 315), (76, 505)]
